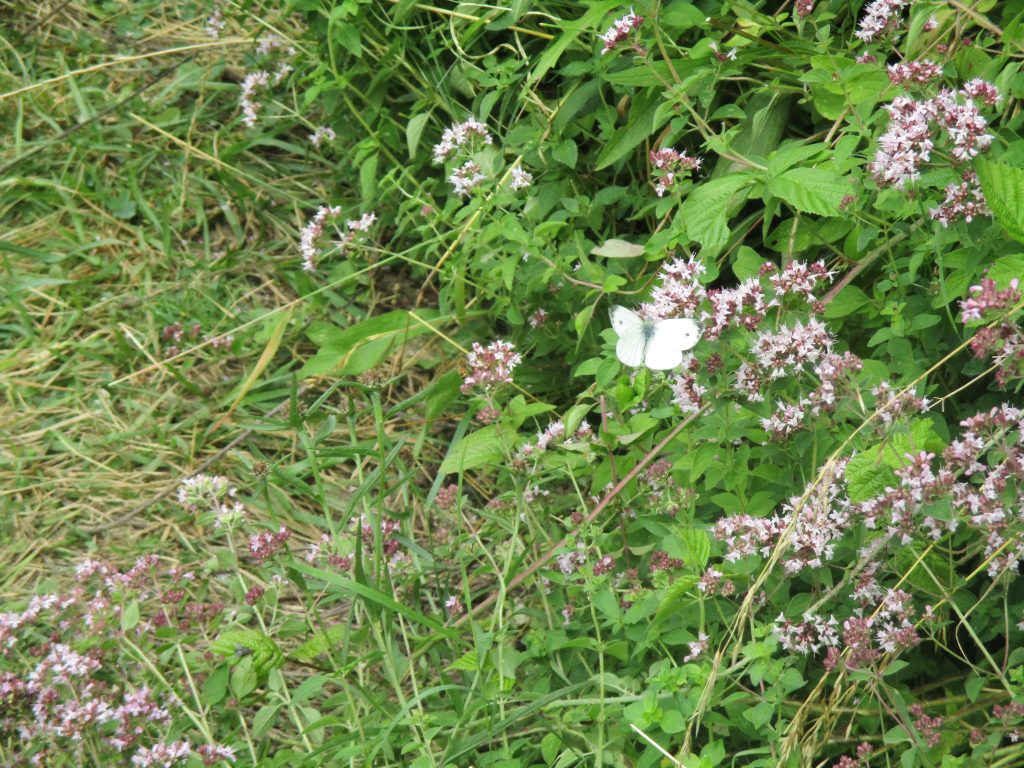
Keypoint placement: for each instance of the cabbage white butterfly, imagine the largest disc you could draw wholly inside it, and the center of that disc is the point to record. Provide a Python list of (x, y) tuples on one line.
[(657, 344)]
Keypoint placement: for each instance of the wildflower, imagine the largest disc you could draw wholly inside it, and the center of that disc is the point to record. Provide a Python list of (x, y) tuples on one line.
[(605, 565), (538, 318), (204, 492), (790, 349), (923, 71), (963, 201), (686, 392), (620, 30), (931, 25), (266, 544), (679, 292), (460, 135), (311, 232), (964, 124), (881, 18), (162, 755), (491, 365), (521, 179), (730, 56), (660, 561), (453, 606), (808, 636), (710, 581), (213, 753), (867, 58), (982, 89), (446, 497), (804, 8), (254, 594), (986, 297), (215, 23), (930, 728), (906, 143), (570, 562), (697, 648), (247, 100), (801, 279), (321, 134), (670, 166), (466, 178)]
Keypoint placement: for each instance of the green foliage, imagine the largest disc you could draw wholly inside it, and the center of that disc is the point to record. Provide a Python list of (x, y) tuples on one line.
[(443, 551)]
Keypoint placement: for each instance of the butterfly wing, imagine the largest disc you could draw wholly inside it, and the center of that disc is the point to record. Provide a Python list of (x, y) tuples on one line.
[(668, 342), (632, 341)]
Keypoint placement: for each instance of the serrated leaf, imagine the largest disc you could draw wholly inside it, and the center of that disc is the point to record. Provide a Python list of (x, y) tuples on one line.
[(320, 643), (477, 449), (467, 662), (618, 249), (1003, 186), (1007, 268), (673, 595), (706, 209), (697, 546), (810, 190), (846, 302), (243, 679)]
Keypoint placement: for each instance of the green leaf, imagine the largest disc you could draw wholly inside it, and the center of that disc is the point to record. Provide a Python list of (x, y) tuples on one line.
[(846, 302), (485, 446), (680, 16), (319, 643), (216, 685), (643, 121), (264, 720), (467, 662), (371, 595), (362, 346), (706, 209), (673, 595), (747, 264), (810, 190), (130, 616), (617, 249), (549, 747), (566, 153), (571, 30), (697, 546), (414, 131), (249, 645), (1003, 186), (1007, 268), (243, 678)]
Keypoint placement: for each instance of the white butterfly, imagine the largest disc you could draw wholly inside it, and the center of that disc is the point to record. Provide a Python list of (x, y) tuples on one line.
[(658, 344)]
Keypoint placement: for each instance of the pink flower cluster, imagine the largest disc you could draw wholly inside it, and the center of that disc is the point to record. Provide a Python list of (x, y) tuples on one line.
[(466, 178), (963, 201), (671, 166), (986, 297), (909, 139), (322, 134), (808, 636), (204, 492), (881, 18), (923, 71), (266, 544), (804, 8), (461, 136), (355, 231), (490, 366), (621, 30)]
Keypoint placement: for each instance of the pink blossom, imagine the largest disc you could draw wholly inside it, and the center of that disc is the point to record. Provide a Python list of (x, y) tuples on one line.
[(986, 297), (620, 30), (461, 135), (466, 178), (214, 753), (923, 71), (321, 134), (804, 8), (671, 166), (250, 107), (963, 201), (162, 755), (490, 366), (312, 232), (521, 179), (808, 636), (881, 17), (266, 544)]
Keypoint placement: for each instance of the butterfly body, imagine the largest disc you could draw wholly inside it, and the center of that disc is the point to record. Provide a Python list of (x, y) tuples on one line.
[(656, 344)]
